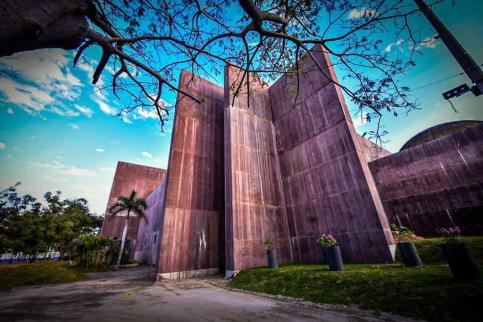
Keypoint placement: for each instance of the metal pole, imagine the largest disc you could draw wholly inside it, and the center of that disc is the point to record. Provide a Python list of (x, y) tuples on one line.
[(470, 67)]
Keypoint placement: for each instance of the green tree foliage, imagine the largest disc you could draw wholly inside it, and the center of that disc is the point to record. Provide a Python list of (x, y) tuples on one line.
[(30, 228), (90, 250)]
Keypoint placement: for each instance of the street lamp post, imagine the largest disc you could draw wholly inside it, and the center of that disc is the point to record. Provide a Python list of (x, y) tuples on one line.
[(471, 68)]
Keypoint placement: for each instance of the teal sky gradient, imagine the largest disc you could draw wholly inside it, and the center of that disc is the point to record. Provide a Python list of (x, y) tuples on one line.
[(59, 132)]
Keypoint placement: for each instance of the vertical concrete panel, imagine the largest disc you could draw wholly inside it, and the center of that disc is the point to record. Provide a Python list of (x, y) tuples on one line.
[(129, 177), (191, 237), (324, 168), (147, 249), (254, 198)]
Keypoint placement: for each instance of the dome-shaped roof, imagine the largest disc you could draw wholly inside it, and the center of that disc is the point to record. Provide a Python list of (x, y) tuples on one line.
[(437, 131)]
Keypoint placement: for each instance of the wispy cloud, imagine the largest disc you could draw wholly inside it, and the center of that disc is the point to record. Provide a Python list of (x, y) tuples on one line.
[(2, 146), (358, 13), (430, 41), (74, 126), (9, 110), (104, 106), (147, 114), (359, 121), (147, 154), (63, 169), (390, 47), (84, 110), (99, 150), (109, 169)]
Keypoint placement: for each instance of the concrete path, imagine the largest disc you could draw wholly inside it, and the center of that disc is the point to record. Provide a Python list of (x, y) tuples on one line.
[(130, 295)]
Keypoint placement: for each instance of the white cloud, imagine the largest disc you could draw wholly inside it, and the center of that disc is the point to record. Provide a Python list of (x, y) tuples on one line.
[(48, 73), (76, 172), (99, 150), (84, 110), (147, 154), (9, 110), (28, 97), (126, 119), (63, 110), (109, 169), (74, 126), (362, 13), (359, 121), (430, 41), (63, 169), (394, 44), (2, 145), (103, 106), (147, 114), (10, 157)]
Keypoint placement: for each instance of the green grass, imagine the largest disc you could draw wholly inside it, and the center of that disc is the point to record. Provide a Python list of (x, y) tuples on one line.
[(427, 292), (430, 251), (12, 275)]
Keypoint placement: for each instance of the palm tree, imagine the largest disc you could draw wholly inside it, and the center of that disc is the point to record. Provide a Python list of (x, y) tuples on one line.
[(130, 204)]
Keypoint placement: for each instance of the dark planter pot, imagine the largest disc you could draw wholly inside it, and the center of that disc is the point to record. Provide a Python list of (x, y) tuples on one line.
[(333, 258), (272, 258), (409, 254), (461, 261)]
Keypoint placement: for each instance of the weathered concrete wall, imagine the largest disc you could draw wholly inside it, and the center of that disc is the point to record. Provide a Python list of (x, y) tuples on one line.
[(147, 250), (192, 236), (327, 185), (253, 193), (371, 150), (129, 177), (435, 184)]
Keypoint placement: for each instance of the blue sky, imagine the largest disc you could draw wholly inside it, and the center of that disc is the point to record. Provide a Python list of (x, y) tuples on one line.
[(60, 132)]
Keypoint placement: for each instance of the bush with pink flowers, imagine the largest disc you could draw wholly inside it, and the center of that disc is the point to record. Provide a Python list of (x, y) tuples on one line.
[(327, 240)]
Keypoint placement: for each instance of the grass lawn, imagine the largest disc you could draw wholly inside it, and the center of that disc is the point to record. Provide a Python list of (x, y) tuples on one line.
[(427, 292), (12, 275)]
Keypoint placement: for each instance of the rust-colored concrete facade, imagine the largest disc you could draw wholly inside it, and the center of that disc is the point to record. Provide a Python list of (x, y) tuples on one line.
[(437, 183), (192, 239), (252, 161)]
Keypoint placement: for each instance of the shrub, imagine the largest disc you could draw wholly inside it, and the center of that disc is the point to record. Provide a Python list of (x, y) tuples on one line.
[(402, 234), (90, 250)]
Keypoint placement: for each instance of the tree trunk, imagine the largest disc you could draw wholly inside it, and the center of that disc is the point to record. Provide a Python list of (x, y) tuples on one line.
[(123, 241), (33, 24)]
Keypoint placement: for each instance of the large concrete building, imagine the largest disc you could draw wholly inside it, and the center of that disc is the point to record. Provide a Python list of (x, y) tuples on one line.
[(285, 164)]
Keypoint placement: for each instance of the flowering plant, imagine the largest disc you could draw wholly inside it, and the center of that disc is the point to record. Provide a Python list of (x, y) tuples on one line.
[(326, 240), (401, 233), (450, 235)]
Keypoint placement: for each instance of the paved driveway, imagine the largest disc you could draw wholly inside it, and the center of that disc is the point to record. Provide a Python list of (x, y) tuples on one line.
[(130, 295)]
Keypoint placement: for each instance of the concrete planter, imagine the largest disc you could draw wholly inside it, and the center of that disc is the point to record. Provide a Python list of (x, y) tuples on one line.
[(272, 258), (461, 261), (409, 254), (333, 258)]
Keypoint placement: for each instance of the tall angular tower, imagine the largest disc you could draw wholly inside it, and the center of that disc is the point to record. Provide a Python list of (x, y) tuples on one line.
[(252, 161)]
